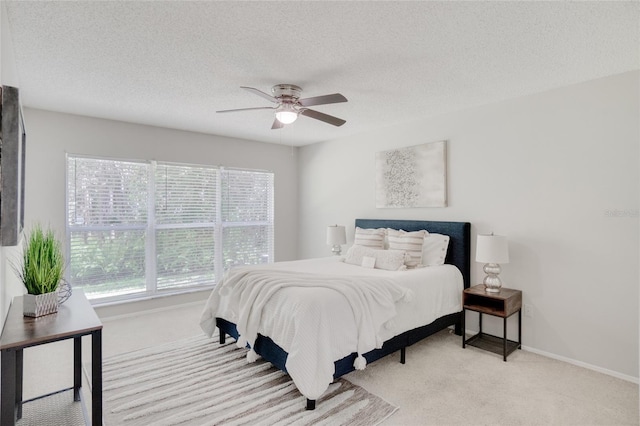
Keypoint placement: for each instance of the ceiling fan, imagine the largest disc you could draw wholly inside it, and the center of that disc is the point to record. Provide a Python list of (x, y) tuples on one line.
[(289, 105)]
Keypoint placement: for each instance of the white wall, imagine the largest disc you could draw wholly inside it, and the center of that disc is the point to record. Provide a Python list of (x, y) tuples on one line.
[(50, 135), (546, 171), (8, 72)]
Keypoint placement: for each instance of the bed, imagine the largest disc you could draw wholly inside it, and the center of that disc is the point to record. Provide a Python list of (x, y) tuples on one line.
[(301, 347)]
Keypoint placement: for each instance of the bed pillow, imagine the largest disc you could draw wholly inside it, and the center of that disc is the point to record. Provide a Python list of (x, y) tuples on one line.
[(411, 242), (390, 260), (370, 237), (434, 249)]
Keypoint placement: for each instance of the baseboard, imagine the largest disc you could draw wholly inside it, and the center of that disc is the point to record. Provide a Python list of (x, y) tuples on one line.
[(611, 373), (571, 361)]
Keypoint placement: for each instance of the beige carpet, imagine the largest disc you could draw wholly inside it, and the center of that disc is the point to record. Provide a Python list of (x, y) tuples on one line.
[(443, 384), (57, 409), (196, 381)]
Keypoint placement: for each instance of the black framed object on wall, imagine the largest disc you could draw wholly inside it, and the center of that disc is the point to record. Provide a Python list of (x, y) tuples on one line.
[(12, 167)]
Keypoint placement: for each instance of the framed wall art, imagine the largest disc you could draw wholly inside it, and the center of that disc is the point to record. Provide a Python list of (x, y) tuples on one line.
[(414, 176), (12, 162)]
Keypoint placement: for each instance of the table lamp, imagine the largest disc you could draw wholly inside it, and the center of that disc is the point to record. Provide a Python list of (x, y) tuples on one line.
[(492, 250), (336, 236)]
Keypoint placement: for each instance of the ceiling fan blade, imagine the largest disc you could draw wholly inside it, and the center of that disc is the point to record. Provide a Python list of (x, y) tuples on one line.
[(260, 93), (277, 124), (323, 100), (245, 109), (323, 117)]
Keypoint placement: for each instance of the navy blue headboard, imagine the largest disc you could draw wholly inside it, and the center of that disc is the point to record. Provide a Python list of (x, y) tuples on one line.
[(459, 252)]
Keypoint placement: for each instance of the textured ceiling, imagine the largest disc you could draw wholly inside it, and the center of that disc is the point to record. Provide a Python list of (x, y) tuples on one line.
[(173, 64)]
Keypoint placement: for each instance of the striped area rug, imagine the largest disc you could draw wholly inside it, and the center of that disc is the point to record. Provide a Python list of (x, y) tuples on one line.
[(197, 381)]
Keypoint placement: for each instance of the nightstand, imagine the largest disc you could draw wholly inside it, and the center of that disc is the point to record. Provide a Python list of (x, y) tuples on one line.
[(503, 305)]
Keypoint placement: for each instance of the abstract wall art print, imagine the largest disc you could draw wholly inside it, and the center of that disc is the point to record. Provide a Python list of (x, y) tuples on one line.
[(12, 162), (411, 177)]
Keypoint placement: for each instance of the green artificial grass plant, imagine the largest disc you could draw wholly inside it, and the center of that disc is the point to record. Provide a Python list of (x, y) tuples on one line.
[(42, 266)]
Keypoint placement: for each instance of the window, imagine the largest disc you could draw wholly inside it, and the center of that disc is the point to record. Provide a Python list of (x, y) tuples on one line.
[(138, 228)]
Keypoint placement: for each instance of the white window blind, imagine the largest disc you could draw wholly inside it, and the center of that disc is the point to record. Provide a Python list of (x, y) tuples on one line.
[(107, 217), (107, 192), (139, 228), (247, 217), (185, 213)]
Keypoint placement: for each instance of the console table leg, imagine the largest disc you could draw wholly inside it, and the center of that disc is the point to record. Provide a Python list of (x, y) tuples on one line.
[(77, 367), (19, 369), (96, 378), (8, 375)]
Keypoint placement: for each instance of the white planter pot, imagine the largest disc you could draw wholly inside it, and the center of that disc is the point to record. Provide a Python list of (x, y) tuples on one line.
[(36, 305)]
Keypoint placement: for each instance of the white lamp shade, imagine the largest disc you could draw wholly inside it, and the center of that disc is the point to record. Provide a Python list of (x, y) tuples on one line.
[(336, 235), (492, 249)]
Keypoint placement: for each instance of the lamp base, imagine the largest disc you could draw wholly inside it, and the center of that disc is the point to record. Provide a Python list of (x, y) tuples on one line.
[(492, 282), (336, 249)]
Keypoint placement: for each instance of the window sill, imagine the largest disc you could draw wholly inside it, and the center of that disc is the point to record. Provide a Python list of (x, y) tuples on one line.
[(157, 302)]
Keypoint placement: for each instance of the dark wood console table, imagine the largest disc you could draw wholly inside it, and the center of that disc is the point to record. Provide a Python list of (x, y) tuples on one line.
[(75, 318)]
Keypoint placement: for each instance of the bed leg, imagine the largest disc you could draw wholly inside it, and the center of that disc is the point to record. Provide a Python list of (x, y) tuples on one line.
[(223, 337), (403, 355), (458, 328), (311, 404)]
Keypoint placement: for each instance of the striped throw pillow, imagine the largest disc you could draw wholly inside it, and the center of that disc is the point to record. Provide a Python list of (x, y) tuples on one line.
[(411, 242), (390, 260), (370, 237)]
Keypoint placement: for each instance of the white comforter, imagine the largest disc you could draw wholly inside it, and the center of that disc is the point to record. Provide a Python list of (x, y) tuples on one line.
[(317, 324)]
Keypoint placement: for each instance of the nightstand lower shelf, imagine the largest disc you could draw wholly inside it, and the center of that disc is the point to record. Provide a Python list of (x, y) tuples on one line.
[(493, 344)]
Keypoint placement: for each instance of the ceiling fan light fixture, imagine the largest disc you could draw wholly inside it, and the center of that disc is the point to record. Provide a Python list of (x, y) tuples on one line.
[(286, 116), (289, 105), (286, 112)]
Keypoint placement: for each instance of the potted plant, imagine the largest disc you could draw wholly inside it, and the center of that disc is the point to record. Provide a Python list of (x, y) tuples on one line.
[(41, 271)]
